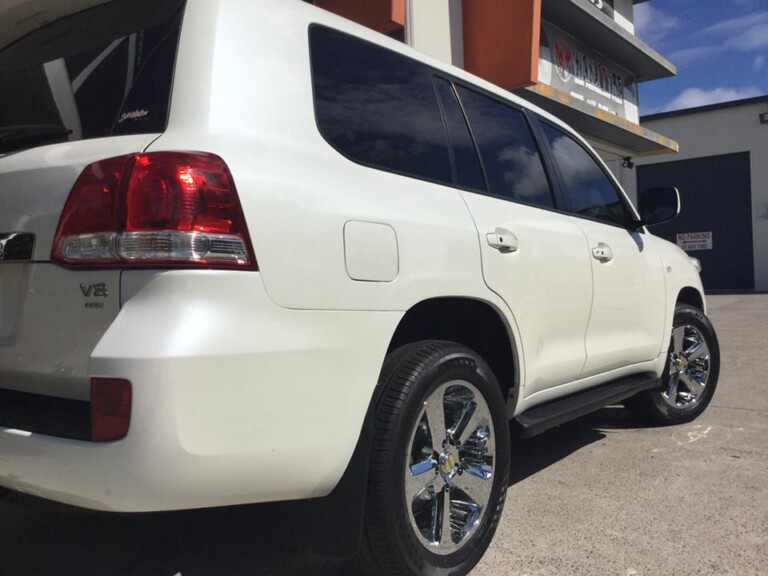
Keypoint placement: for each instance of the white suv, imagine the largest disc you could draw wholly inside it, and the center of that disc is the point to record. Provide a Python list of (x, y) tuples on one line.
[(254, 252)]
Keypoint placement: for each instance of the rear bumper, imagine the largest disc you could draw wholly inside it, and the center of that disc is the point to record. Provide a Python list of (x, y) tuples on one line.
[(235, 400)]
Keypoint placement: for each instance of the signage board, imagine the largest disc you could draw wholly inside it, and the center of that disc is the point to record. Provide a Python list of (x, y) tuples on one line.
[(690, 241), (570, 66)]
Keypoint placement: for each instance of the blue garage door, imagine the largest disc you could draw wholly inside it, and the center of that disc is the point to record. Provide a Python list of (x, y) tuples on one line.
[(717, 199)]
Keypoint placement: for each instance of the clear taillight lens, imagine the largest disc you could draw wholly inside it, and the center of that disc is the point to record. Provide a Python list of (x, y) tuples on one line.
[(175, 208)]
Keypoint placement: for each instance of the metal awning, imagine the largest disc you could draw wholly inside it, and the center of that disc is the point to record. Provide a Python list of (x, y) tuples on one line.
[(583, 21), (594, 123)]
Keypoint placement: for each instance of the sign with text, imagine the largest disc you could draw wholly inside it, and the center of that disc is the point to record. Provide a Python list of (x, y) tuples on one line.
[(691, 241), (571, 67)]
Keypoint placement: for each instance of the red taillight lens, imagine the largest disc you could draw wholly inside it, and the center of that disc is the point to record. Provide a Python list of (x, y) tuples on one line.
[(174, 208), (88, 222), (110, 409)]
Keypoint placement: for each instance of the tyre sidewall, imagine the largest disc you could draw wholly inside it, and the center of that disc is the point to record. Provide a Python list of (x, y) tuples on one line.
[(461, 364), (685, 315)]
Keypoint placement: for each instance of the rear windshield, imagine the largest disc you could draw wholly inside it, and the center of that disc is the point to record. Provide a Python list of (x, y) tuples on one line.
[(100, 72)]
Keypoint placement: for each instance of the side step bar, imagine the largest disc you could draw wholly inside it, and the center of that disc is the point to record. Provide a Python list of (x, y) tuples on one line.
[(541, 418)]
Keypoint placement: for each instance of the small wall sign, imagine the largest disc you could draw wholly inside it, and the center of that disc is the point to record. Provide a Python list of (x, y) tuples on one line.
[(691, 241)]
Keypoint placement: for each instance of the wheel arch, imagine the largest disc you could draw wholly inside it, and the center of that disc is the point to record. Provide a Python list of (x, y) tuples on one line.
[(692, 297), (474, 323)]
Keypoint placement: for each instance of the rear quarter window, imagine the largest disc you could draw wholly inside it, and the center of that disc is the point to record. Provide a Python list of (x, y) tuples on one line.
[(377, 107)]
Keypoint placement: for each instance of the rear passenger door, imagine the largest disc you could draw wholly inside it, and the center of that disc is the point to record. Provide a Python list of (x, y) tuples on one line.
[(535, 258), (628, 305)]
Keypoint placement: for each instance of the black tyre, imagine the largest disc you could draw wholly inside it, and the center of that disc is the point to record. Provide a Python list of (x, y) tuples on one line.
[(441, 443), (690, 375)]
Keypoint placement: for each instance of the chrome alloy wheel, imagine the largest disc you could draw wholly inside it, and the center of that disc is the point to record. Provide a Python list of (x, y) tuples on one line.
[(689, 366), (449, 467)]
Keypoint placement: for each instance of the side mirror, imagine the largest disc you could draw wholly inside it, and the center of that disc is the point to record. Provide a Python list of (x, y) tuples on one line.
[(659, 205)]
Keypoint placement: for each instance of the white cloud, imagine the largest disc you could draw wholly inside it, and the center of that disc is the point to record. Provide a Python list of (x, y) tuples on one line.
[(695, 97), (753, 38), (742, 34), (738, 24), (653, 25), (745, 33), (694, 54), (759, 63)]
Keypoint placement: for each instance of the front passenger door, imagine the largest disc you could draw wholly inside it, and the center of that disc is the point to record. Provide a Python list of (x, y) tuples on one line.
[(628, 300)]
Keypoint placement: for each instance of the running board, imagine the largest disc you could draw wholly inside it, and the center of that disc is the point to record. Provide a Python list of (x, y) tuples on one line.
[(541, 418)]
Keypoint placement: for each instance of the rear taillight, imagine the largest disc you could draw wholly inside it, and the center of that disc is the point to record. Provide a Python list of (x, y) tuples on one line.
[(160, 208), (110, 409)]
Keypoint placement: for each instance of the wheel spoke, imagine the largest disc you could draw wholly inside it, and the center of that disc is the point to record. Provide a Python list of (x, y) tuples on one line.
[(698, 350), (435, 411), (695, 387), (420, 478), (466, 413), (678, 335), (424, 466), (672, 387), (475, 484), (445, 524), (438, 511), (475, 420)]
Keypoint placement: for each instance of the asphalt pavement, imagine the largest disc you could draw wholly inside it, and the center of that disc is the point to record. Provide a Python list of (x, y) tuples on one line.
[(605, 495)]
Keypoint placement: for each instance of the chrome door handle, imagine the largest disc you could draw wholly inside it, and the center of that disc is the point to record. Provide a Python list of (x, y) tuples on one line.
[(503, 240), (602, 252)]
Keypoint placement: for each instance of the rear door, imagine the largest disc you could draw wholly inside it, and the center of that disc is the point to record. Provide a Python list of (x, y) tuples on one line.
[(628, 304), (533, 257)]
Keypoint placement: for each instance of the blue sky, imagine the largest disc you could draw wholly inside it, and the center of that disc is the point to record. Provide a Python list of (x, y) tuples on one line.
[(720, 48)]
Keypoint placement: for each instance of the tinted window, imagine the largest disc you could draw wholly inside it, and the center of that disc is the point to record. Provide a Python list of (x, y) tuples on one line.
[(585, 185), (378, 107), (469, 172), (98, 72), (510, 156), (151, 88)]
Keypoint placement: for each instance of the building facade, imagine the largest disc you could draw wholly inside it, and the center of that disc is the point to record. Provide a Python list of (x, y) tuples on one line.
[(722, 174)]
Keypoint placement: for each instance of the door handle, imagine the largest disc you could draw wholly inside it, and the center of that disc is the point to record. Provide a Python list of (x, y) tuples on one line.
[(602, 252), (502, 240)]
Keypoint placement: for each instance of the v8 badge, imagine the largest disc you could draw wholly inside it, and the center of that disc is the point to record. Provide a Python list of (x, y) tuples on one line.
[(99, 290)]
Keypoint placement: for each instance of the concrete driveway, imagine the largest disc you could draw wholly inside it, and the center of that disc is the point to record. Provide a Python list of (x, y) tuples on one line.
[(604, 495)]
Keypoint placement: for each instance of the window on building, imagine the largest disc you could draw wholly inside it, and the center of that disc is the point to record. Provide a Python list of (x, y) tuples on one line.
[(511, 159), (378, 107), (469, 172), (587, 188)]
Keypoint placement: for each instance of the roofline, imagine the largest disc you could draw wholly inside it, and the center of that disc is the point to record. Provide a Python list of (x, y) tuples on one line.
[(707, 108)]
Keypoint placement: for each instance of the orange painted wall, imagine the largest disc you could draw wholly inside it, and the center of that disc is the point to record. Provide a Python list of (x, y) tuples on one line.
[(501, 41), (381, 15)]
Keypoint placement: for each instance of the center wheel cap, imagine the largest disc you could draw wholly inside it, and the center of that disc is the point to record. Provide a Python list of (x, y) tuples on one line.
[(448, 464)]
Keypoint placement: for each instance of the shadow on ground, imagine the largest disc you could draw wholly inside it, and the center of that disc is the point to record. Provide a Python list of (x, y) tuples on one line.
[(44, 539), (532, 455)]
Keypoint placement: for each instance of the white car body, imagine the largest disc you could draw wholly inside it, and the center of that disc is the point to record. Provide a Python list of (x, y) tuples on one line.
[(253, 386)]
